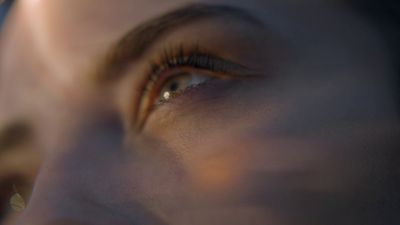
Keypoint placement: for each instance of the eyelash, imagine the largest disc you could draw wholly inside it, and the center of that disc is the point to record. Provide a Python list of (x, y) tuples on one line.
[(194, 58), (175, 58)]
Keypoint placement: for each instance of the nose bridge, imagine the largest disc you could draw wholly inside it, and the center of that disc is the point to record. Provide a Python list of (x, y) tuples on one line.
[(91, 177), (61, 203), (63, 199), (75, 182)]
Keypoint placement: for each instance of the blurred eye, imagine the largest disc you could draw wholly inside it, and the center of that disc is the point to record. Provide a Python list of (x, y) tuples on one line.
[(15, 190), (20, 159), (178, 84), (17, 202)]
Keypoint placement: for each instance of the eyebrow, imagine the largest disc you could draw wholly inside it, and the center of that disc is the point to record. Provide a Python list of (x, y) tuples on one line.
[(137, 41)]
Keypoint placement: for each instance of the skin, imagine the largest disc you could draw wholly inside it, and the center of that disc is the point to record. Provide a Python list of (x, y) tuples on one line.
[(311, 141)]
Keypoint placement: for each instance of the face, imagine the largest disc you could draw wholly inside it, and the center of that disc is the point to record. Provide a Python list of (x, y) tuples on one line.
[(203, 112)]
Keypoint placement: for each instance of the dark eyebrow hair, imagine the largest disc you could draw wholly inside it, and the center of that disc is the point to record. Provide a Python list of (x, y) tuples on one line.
[(132, 45)]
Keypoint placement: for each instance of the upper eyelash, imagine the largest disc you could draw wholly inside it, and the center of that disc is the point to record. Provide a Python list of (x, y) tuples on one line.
[(194, 57)]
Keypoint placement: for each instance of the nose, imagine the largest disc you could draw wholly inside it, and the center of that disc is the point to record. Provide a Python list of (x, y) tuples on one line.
[(85, 180)]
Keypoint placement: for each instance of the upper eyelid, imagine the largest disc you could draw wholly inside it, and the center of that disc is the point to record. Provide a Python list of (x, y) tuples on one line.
[(183, 59), (226, 66), (137, 41), (209, 62)]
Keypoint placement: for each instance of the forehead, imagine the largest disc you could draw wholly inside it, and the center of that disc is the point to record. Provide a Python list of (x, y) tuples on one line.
[(67, 37), (77, 19), (79, 29)]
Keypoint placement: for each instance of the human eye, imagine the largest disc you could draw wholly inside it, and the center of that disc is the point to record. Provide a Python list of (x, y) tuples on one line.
[(176, 71)]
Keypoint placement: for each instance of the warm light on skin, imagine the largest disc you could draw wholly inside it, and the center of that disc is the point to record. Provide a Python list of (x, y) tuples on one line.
[(217, 174), (34, 13), (304, 143)]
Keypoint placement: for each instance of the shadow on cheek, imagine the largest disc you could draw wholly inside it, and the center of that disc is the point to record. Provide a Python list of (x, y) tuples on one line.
[(275, 193)]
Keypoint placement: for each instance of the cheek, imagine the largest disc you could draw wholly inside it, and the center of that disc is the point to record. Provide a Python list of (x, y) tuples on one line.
[(261, 170), (200, 133), (291, 138)]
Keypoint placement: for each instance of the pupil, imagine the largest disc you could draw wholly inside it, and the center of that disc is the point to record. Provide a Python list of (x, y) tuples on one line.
[(174, 86)]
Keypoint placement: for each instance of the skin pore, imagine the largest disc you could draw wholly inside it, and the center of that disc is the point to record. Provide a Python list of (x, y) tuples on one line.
[(296, 122)]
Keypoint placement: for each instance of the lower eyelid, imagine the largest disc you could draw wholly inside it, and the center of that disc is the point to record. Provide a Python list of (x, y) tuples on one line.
[(190, 89), (195, 100), (212, 91), (150, 93)]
